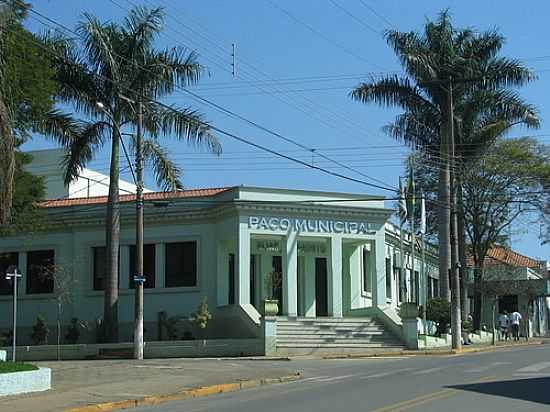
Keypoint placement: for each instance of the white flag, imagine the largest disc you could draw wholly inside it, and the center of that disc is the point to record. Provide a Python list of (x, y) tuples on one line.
[(423, 215)]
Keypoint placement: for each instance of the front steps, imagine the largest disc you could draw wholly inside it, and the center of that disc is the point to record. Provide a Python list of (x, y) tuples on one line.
[(317, 336)]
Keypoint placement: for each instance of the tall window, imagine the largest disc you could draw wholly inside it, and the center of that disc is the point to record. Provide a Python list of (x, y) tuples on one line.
[(436, 287), (148, 265), (367, 278), (231, 273), (416, 287), (99, 255), (430, 287), (181, 264), (388, 278), (40, 271), (7, 260), (253, 280), (100, 266)]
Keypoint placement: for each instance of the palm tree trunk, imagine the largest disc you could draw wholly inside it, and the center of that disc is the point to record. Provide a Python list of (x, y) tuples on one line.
[(444, 215), (112, 235), (7, 165)]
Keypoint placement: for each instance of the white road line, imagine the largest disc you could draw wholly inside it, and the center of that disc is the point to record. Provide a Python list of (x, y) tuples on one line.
[(484, 368), (313, 378), (536, 367), (335, 378), (425, 371), (382, 374)]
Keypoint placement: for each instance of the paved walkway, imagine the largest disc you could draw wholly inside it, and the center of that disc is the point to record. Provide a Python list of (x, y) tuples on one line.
[(79, 383)]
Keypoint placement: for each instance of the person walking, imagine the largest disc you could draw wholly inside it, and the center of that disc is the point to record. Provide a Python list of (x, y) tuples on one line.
[(515, 319), (503, 325)]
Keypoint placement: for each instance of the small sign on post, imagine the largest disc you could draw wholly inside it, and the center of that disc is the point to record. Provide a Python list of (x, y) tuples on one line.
[(139, 279), (13, 274)]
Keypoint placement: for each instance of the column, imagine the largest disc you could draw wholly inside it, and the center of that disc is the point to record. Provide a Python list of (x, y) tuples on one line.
[(290, 275), (222, 271), (356, 278), (335, 277), (160, 265), (242, 265), (309, 286), (379, 274)]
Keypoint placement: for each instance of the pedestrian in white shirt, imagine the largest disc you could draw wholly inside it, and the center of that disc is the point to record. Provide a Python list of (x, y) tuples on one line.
[(515, 319)]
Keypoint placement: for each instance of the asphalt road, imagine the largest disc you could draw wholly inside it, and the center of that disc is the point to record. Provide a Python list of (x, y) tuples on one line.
[(507, 380)]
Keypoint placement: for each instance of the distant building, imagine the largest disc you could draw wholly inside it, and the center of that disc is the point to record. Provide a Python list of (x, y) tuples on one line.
[(521, 284)]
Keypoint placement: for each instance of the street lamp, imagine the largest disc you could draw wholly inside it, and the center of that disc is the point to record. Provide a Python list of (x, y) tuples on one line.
[(139, 277), (13, 274)]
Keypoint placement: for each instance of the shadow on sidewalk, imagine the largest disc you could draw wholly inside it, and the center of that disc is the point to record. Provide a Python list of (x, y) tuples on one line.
[(533, 389)]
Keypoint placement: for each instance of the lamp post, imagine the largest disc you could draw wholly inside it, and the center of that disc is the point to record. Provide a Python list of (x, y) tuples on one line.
[(138, 277), (14, 274)]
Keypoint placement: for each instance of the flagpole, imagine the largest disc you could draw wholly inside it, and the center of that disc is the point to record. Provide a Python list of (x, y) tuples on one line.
[(411, 195), (402, 219)]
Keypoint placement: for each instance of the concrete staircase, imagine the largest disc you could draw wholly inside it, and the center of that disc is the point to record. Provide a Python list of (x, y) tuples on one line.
[(302, 336)]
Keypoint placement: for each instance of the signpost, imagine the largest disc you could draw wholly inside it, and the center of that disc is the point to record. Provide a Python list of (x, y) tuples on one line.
[(13, 274)]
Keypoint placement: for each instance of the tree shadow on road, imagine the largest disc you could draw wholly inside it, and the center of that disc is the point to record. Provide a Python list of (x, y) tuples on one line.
[(532, 389)]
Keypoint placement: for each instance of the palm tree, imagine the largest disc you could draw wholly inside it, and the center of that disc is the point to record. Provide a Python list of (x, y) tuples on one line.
[(431, 61), (119, 67)]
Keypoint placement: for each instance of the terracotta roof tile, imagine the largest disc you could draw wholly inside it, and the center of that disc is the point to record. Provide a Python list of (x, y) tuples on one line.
[(498, 255), (95, 200)]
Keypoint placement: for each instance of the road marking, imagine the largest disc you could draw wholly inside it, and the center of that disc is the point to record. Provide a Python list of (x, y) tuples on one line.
[(335, 378), (156, 367), (536, 367), (484, 368), (425, 371), (382, 374), (313, 378)]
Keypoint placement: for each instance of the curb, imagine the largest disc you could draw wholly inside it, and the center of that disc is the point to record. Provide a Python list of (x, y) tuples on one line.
[(185, 394), (444, 352)]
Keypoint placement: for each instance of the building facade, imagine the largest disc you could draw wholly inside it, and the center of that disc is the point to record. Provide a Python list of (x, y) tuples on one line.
[(337, 255)]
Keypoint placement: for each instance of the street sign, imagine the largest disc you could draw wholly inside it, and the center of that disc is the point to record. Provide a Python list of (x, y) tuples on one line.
[(139, 279)]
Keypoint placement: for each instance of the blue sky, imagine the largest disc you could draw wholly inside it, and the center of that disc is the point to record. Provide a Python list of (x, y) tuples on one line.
[(295, 68)]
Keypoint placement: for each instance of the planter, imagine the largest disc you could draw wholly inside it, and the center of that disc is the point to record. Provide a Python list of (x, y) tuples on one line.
[(408, 310), (24, 382), (271, 307)]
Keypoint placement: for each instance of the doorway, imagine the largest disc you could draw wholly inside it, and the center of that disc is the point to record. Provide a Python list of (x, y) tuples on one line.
[(321, 290)]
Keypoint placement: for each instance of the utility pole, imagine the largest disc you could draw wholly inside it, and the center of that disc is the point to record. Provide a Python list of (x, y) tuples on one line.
[(139, 277), (456, 323), (14, 274)]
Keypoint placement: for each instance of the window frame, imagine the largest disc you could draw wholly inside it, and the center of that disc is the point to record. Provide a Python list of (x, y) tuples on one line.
[(366, 275), (28, 275), (196, 286), (131, 262), (9, 290)]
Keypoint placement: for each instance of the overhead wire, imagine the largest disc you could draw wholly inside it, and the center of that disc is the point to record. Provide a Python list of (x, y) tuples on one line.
[(252, 144), (255, 124)]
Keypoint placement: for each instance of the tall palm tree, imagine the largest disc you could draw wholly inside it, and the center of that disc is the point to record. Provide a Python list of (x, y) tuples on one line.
[(430, 60), (118, 66)]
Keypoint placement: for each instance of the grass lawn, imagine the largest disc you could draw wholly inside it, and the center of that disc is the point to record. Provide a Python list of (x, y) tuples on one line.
[(8, 367)]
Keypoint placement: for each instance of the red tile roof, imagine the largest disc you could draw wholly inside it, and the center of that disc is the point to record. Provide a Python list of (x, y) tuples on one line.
[(498, 255), (151, 196)]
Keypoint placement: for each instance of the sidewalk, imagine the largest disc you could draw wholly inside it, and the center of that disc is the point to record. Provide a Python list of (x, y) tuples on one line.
[(482, 347), (81, 383)]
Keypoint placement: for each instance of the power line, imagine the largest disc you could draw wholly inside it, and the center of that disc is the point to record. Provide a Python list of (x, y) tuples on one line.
[(354, 17), (242, 118), (244, 140), (380, 16)]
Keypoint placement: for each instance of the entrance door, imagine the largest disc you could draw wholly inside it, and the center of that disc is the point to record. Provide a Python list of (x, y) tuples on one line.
[(321, 295), (277, 265)]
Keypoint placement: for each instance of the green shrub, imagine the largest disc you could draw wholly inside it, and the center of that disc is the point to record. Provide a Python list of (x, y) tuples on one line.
[(202, 315), (438, 310), (10, 367), (40, 332)]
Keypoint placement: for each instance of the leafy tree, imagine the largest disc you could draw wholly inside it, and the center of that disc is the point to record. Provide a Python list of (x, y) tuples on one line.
[(117, 65), (497, 188), (431, 59), (27, 88)]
